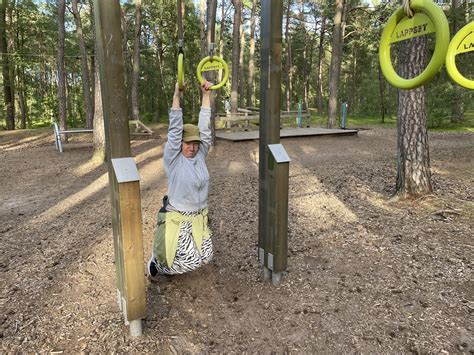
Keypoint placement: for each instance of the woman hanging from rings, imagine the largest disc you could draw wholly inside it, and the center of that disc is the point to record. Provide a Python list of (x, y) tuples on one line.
[(182, 240)]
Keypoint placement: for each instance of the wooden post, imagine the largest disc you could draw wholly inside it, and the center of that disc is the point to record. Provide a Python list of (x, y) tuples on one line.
[(115, 107), (277, 245), (130, 242), (270, 92)]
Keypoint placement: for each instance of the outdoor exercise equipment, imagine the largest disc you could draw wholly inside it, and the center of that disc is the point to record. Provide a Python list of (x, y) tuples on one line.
[(181, 70), (427, 18), (58, 133), (462, 42), (180, 46), (274, 161), (213, 63), (123, 174)]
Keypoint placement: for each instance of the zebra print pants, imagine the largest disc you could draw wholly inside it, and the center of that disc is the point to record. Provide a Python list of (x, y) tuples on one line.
[(187, 256)]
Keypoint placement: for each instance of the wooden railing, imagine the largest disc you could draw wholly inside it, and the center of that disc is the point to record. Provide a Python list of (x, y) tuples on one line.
[(252, 114)]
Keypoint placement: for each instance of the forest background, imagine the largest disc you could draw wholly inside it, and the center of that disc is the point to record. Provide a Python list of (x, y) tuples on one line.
[(30, 57)]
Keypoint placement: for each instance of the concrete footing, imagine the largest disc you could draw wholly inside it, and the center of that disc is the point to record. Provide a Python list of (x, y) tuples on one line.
[(276, 278), (267, 274), (136, 328)]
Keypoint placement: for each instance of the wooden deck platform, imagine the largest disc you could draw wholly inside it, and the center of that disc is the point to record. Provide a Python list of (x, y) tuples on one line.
[(284, 133)]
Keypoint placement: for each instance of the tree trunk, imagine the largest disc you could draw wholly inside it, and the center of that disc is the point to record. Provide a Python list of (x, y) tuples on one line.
[(352, 94), (162, 92), (136, 59), (92, 60), (7, 83), (221, 47), (242, 85), (413, 175), (99, 126), (336, 58), (289, 62), (126, 59), (84, 66), (22, 95), (22, 85), (235, 55), (61, 67), (100, 151), (305, 56), (457, 114), (382, 94), (251, 84), (11, 49), (211, 28), (319, 86)]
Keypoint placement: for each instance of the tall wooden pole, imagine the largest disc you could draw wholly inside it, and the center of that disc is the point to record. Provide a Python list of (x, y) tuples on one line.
[(124, 188), (270, 94)]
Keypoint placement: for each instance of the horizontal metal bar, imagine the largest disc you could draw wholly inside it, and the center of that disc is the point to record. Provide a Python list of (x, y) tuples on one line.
[(76, 131)]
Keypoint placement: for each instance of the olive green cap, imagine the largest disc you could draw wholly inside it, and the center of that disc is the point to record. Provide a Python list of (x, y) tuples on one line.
[(191, 133)]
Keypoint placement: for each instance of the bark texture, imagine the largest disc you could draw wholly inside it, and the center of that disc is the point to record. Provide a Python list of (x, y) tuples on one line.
[(235, 55), (61, 67), (7, 82), (457, 114), (289, 60), (251, 84), (413, 173), (86, 86), (336, 59), (136, 59)]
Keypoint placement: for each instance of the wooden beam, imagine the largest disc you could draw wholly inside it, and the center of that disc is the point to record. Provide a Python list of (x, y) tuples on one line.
[(270, 92), (132, 249)]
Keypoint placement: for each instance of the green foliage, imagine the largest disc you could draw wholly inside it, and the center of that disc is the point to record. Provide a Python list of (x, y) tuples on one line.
[(467, 125), (34, 32)]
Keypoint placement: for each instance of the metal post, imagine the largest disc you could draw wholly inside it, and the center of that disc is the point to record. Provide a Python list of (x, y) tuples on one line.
[(343, 115), (300, 113)]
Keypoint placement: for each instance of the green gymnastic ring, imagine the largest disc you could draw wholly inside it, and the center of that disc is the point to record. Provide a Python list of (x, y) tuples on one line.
[(181, 70), (440, 23), (223, 65), (462, 42)]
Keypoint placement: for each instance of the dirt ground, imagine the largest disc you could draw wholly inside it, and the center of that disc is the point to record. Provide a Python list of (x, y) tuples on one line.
[(366, 273)]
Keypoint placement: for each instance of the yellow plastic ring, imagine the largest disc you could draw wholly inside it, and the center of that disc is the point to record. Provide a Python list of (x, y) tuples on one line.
[(180, 70), (441, 26), (454, 49), (225, 68)]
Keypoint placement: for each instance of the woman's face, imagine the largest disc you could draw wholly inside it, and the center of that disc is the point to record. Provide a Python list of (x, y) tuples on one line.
[(190, 149)]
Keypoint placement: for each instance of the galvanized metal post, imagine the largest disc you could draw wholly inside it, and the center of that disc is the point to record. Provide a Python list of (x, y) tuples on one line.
[(300, 113), (344, 115), (270, 92)]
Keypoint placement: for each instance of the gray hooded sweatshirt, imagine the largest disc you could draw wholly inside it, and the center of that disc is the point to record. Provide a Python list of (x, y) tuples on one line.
[(188, 178)]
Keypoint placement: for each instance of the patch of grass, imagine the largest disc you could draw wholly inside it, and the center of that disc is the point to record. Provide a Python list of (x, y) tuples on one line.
[(465, 126), (391, 122), (362, 121), (41, 123), (356, 121)]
